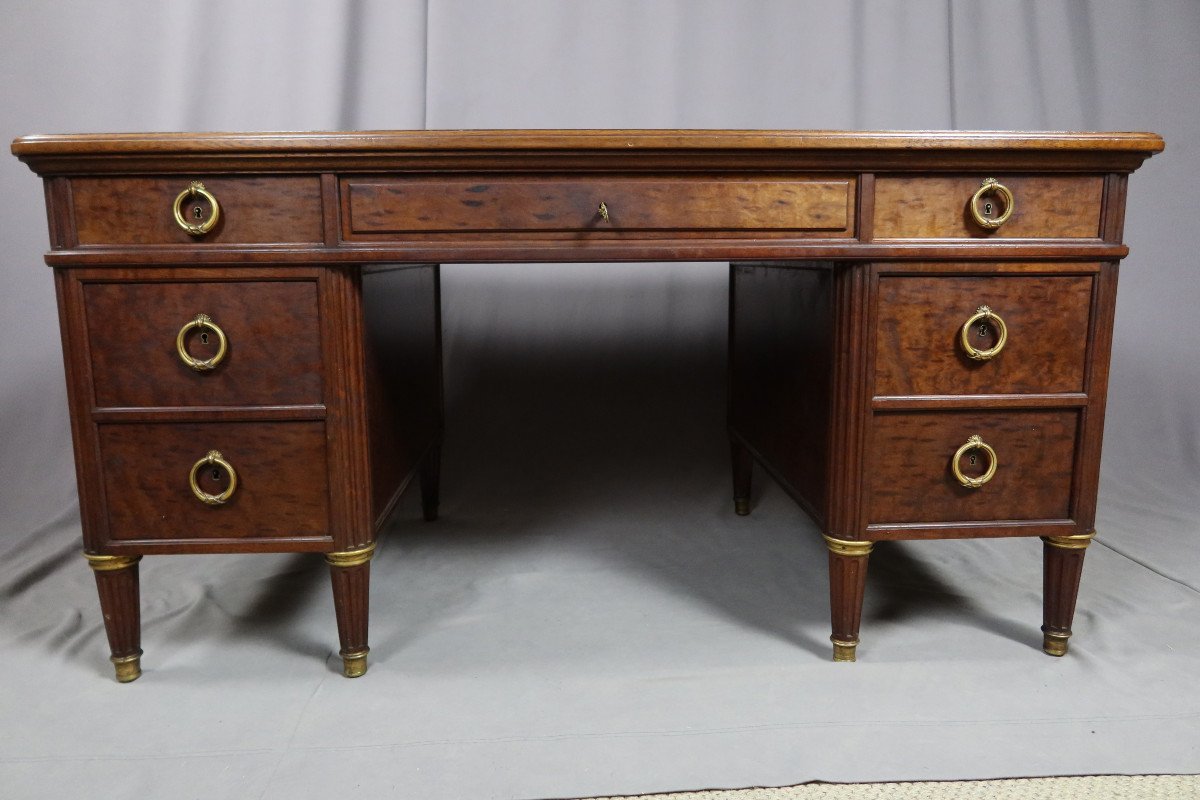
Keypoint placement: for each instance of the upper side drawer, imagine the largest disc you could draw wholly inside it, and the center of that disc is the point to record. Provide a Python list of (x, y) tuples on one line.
[(919, 334), (385, 205), (272, 343), (252, 210), (939, 207)]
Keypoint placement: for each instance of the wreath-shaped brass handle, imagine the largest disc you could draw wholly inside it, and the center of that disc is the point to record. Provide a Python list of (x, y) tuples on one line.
[(196, 228), (201, 364), (974, 443), (983, 314), (213, 459), (988, 186)]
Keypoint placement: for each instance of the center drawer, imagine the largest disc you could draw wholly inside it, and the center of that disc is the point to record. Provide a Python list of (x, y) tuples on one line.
[(375, 206)]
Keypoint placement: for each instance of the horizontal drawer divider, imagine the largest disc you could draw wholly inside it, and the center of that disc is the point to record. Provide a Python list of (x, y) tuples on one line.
[(995, 529), (210, 414), (977, 401)]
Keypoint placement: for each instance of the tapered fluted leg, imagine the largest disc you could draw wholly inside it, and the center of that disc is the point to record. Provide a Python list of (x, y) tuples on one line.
[(743, 471), (117, 585), (431, 473), (847, 582), (1062, 566), (350, 571)]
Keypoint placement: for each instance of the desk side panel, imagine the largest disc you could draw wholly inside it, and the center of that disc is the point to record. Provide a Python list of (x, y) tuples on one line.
[(781, 327), (402, 322)]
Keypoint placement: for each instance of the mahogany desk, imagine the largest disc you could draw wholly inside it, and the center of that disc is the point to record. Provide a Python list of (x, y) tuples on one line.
[(919, 328)]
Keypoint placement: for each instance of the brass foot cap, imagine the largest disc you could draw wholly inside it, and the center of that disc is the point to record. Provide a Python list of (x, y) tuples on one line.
[(354, 665), (128, 668), (741, 506), (1055, 644), (843, 649)]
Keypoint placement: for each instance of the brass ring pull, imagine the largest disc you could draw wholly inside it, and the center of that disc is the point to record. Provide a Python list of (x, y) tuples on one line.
[(974, 443), (603, 211), (982, 314), (197, 228), (213, 459), (201, 364), (988, 186)]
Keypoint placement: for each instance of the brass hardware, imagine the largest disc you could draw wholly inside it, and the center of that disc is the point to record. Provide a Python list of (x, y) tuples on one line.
[(741, 506), (983, 314), (974, 443), (213, 459), (354, 663), (603, 211), (196, 228), (108, 563), (1054, 643), (201, 364), (1078, 541), (128, 668), (988, 186), (351, 558), (846, 547), (844, 649)]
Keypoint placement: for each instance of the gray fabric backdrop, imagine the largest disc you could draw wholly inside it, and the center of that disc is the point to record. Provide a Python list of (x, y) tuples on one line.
[(587, 529)]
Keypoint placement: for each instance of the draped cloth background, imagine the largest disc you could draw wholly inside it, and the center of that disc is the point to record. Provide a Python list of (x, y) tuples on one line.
[(589, 617)]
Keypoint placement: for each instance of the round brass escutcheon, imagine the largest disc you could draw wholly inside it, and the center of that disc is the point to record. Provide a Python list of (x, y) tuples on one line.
[(989, 186), (201, 321), (974, 443), (213, 459), (196, 228), (983, 314)]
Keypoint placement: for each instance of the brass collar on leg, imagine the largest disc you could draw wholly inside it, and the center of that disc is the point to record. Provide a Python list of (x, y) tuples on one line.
[(354, 663), (107, 563), (846, 547), (844, 649), (1055, 643), (1078, 541), (129, 668), (351, 558)]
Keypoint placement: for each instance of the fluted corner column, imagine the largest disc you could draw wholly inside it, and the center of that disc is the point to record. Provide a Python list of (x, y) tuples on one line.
[(847, 584), (120, 604), (1062, 566), (350, 571)]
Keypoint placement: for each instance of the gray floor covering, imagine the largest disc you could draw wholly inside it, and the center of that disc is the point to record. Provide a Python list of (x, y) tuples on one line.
[(589, 617)]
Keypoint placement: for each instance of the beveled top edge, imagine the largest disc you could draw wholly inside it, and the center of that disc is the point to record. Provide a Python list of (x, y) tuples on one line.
[(90, 144)]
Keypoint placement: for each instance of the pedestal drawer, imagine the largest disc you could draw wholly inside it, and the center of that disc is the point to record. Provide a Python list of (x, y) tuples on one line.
[(276, 209), (272, 353), (940, 207), (277, 471), (921, 321), (911, 479)]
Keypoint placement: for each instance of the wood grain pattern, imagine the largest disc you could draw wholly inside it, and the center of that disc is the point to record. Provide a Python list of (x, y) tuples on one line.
[(908, 473), (121, 607), (273, 357), (283, 486), (139, 211), (920, 318), (935, 207), (491, 203), (1062, 570)]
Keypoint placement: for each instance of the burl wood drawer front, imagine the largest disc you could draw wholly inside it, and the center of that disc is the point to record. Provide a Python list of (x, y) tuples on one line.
[(253, 210), (433, 205), (281, 472), (910, 480), (273, 345), (918, 335), (1055, 207)]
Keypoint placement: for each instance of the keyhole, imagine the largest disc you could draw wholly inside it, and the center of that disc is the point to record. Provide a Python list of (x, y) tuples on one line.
[(972, 461), (217, 472), (982, 330), (198, 212), (987, 209), (204, 338)]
